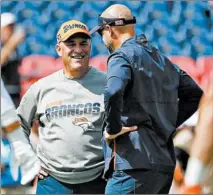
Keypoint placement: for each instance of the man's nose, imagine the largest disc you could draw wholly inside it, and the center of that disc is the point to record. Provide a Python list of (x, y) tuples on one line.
[(78, 48)]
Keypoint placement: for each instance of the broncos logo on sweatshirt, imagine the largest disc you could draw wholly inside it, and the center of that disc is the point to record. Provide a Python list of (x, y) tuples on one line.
[(84, 124)]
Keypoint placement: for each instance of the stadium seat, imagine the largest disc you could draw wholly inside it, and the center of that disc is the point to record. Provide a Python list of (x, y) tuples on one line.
[(33, 68), (18, 8), (202, 46), (143, 17), (159, 9), (189, 12), (208, 50), (157, 19), (98, 6), (205, 67), (187, 64), (167, 47), (149, 32), (171, 37), (28, 13), (98, 47), (99, 62), (35, 5), (176, 17), (160, 28), (186, 50), (36, 66), (40, 4), (72, 4), (61, 14), (93, 13), (173, 50), (24, 49), (29, 26), (136, 5), (44, 19), (209, 35), (52, 7), (48, 36), (205, 63), (25, 85), (58, 64), (38, 49), (180, 34), (7, 3)]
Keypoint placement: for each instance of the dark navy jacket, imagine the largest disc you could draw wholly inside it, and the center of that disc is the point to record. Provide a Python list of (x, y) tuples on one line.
[(145, 89)]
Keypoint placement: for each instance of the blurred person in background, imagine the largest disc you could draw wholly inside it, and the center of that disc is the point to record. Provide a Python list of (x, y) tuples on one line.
[(10, 173), (182, 142), (194, 140), (19, 163), (12, 35), (210, 3), (68, 105), (199, 174), (145, 89)]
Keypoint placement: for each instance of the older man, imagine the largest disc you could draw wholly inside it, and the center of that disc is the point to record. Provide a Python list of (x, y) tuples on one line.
[(68, 105)]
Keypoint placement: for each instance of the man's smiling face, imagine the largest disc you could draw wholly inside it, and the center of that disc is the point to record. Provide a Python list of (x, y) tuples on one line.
[(75, 52)]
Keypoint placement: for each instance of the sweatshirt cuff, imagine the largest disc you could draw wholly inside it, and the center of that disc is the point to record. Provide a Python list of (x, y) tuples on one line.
[(113, 131)]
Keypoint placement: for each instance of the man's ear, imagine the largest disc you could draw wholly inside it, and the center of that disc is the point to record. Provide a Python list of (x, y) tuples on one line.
[(109, 29), (58, 49), (112, 32)]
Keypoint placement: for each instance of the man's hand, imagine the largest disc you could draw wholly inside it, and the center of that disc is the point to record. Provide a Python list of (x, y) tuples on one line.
[(42, 174), (18, 35), (30, 169), (2, 167), (123, 131)]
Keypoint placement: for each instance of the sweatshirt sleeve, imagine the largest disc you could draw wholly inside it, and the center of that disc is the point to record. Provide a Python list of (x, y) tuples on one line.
[(189, 94), (27, 110), (118, 77)]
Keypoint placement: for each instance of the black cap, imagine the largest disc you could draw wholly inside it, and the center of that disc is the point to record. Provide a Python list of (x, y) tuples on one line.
[(112, 22)]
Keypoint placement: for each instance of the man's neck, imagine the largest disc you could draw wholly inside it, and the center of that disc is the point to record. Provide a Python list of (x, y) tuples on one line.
[(122, 39), (76, 74)]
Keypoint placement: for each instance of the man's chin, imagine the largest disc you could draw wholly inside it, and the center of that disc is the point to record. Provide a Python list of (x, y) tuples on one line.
[(77, 66), (110, 49)]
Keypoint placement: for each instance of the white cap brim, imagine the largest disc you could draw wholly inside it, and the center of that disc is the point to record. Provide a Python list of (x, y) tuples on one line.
[(7, 19)]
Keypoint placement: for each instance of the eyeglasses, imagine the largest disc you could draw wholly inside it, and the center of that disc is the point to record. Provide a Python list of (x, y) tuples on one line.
[(103, 22), (100, 31)]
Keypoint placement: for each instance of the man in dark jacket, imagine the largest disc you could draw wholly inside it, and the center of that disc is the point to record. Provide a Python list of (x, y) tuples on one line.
[(145, 89)]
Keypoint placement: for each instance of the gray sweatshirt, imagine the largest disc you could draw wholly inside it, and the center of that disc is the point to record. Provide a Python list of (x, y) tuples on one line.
[(70, 118)]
